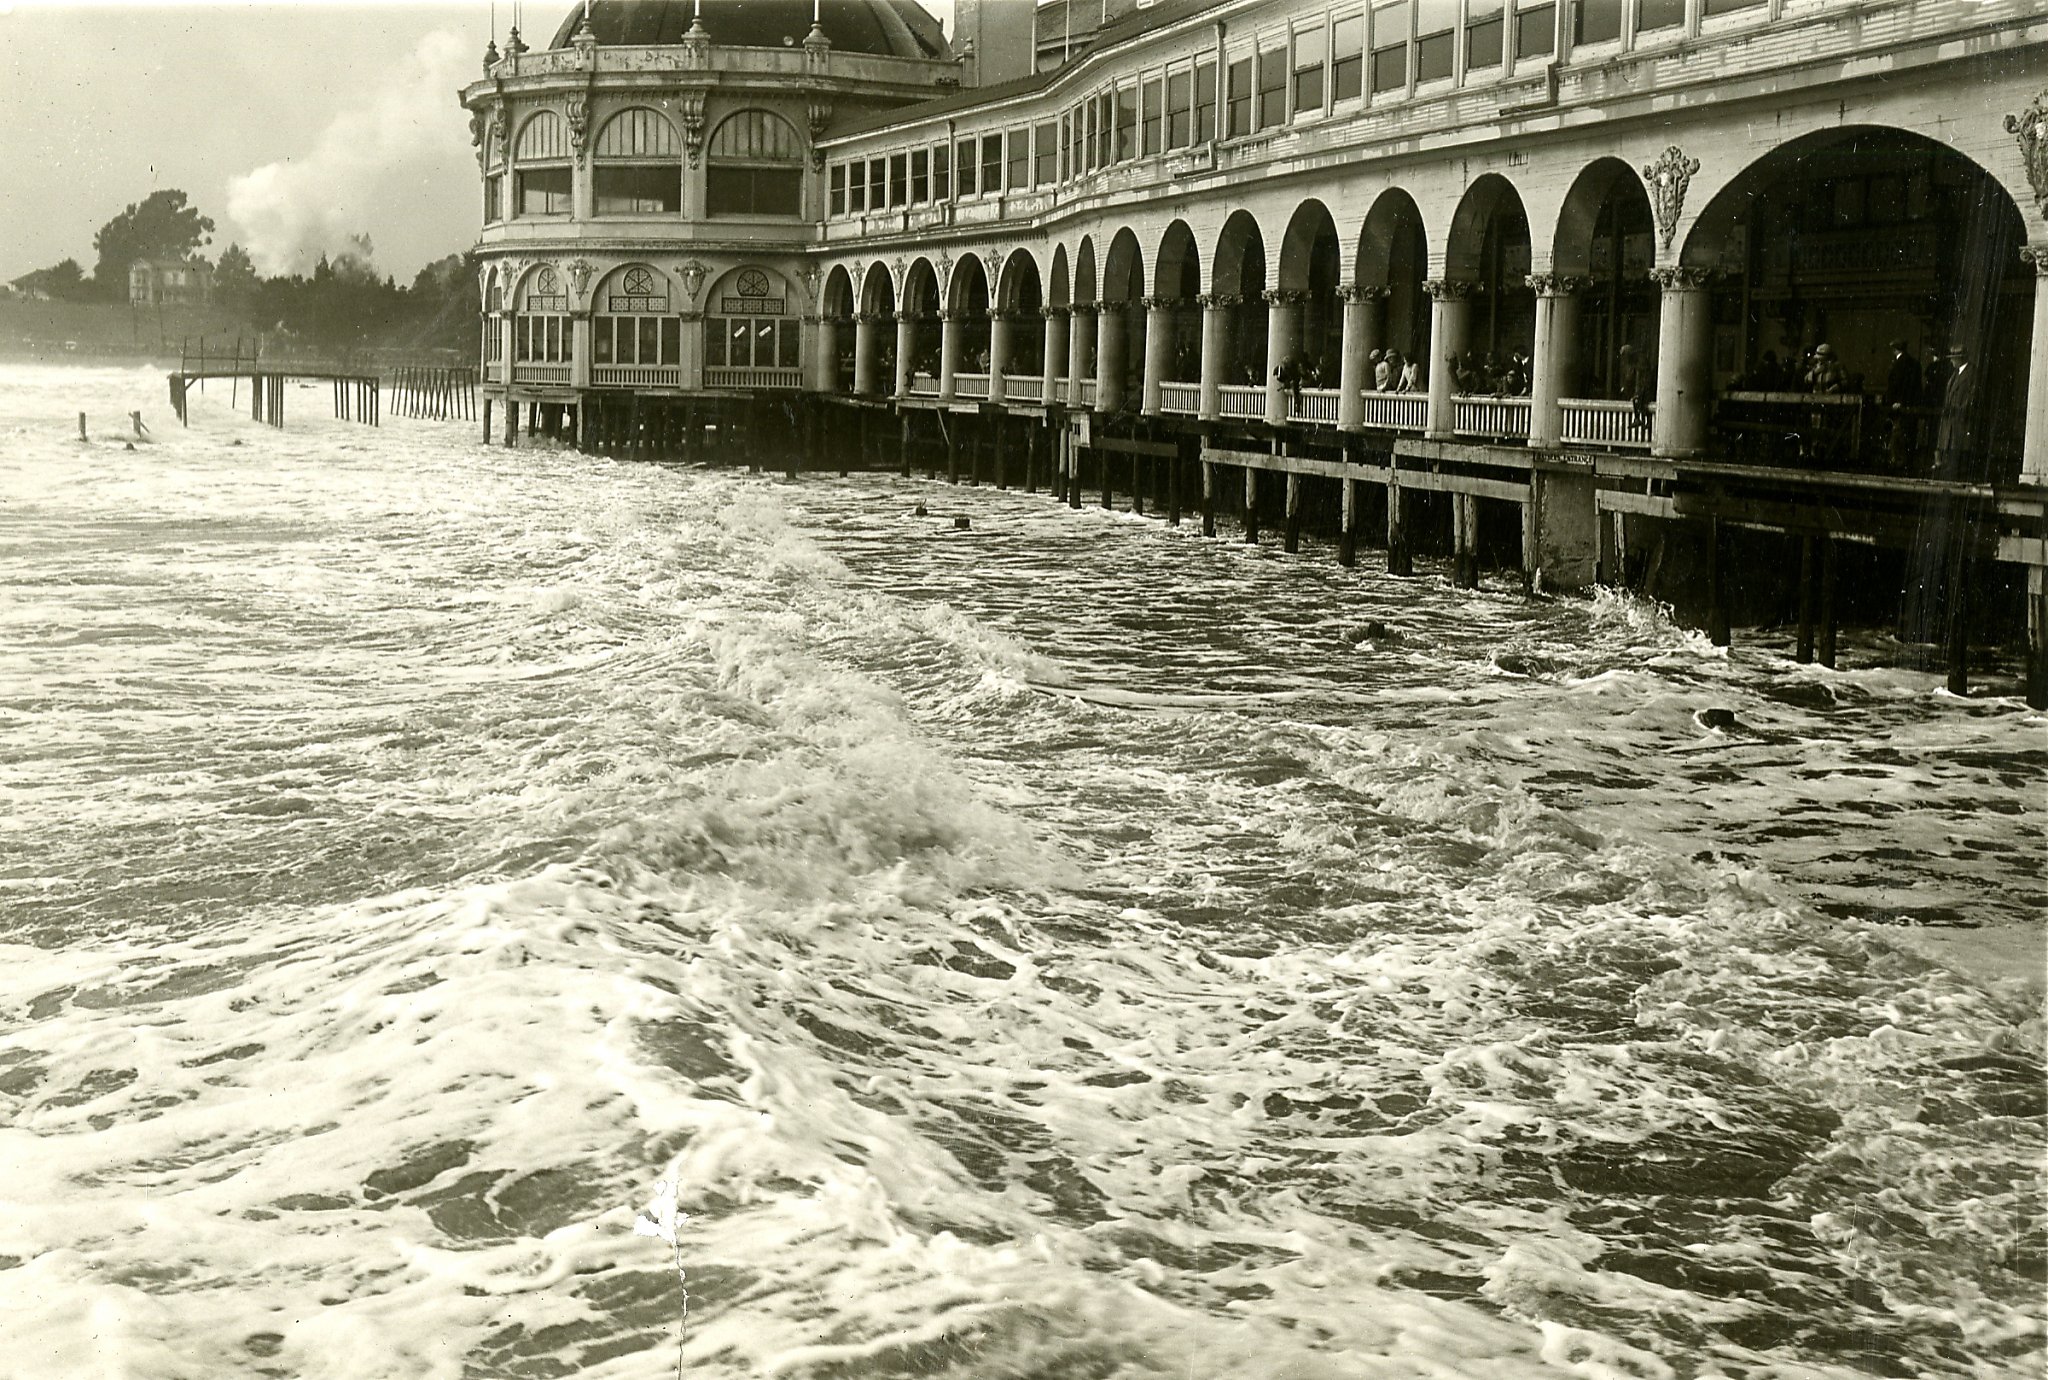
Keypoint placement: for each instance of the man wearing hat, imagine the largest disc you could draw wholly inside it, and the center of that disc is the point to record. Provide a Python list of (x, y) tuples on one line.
[(1901, 391)]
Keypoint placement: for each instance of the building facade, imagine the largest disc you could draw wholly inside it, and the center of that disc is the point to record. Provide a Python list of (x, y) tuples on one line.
[(169, 283), (1580, 239)]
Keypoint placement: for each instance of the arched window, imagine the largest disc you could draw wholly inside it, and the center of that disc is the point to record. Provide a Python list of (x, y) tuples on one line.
[(756, 167), (637, 167), (541, 158), (540, 334), (748, 324), (494, 334), (633, 327)]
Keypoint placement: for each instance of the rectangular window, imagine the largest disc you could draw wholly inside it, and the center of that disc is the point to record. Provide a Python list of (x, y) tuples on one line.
[(1205, 102), (1390, 47), (856, 187), (1714, 7), (1066, 146), (1434, 22), (714, 341), (1596, 21), (1272, 86), (1308, 71), (1483, 28), (787, 343), (491, 185), (1105, 129), (753, 191), (1126, 123), (671, 340), (1536, 30), (1018, 175), (544, 192), (1660, 14), (991, 164), (967, 167), (1180, 109), (838, 189), (920, 176), (878, 183), (942, 173), (1046, 169), (1240, 98), (1152, 118), (1087, 130), (1347, 66), (899, 179), (637, 191)]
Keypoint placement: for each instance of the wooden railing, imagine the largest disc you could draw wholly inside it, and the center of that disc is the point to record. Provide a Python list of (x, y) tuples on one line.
[(924, 386), (636, 375), (1023, 387), (1396, 411), (1505, 419), (1182, 398), (1598, 422), (970, 385), (1243, 400), (1084, 393), (1059, 390), (754, 376), (540, 373), (1312, 405)]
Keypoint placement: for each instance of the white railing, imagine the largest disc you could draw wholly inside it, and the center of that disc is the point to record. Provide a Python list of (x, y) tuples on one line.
[(1022, 387), (1396, 411), (923, 386), (1184, 398), (1059, 390), (1499, 418), (1243, 400), (1084, 393), (636, 375), (1312, 405), (734, 376), (970, 385), (1598, 422), (540, 373)]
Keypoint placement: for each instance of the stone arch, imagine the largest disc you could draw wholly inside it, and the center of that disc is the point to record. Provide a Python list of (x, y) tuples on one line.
[(918, 309), (543, 137), (1177, 279), (1123, 268), (837, 299), (1603, 248), (1487, 255), (1392, 241), (1602, 187), (1310, 237), (1084, 272), (1020, 288), (878, 291), (637, 132), (920, 294), (967, 286), (1491, 205), (1021, 295), (1059, 293), (1239, 263)]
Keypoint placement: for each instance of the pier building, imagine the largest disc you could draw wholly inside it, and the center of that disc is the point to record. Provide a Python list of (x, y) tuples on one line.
[(1736, 298)]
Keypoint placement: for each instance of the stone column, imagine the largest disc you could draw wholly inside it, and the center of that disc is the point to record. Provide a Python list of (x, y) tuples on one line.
[(1216, 309), (1364, 324), (867, 353), (1055, 351), (825, 355), (1449, 306), (949, 352), (1283, 340), (1158, 349), (2034, 456), (1078, 337), (1109, 357), (1557, 316), (906, 345), (1685, 376), (998, 351)]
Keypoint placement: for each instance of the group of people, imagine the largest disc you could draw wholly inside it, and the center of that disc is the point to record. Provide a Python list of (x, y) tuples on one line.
[(1393, 372), (1908, 381), (1487, 374)]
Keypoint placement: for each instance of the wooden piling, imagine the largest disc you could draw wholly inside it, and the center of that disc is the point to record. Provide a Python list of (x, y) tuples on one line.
[(1400, 561), (1808, 576), (1347, 525), (1827, 602), (1208, 498), (1173, 469), (1718, 631), (1138, 485), (1291, 538), (1251, 505)]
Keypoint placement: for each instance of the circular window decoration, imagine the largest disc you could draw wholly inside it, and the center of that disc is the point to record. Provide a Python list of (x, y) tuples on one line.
[(753, 283), (639, 283)]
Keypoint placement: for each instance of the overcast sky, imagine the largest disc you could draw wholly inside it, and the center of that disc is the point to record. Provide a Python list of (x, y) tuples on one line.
[(292, 125)]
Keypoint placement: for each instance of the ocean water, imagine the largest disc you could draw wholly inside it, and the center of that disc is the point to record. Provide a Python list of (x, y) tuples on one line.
[(1068, 948)]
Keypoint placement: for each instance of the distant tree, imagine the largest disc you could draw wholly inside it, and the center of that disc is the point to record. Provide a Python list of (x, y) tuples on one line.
[(162, 226), (63, 280), (234, 278)]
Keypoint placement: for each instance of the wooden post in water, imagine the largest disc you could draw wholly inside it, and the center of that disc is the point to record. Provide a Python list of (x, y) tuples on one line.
[(1291, 541), (1174, 465), (1138, 485), (2037, 637), (1827, 602), (487, 421), (1718, 631), (1347, 524), (1803, 654), (1399, 560), (1208, 498), (1251, 504)]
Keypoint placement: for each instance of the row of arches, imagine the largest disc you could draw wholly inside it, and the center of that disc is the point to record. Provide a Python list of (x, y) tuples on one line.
[(645, 132), (1855, 239)]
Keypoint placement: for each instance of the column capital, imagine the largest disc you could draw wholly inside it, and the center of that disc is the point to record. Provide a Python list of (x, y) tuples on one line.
[(1053, 313), (813, 318), (1005, 314), (1681, 277), (2035, 256), (873, 318), (690, 315), (1285, 297), (1556, 284), (1159, 303), (1218, 300), (1083, 308), (1363, 292), (1450, 289)]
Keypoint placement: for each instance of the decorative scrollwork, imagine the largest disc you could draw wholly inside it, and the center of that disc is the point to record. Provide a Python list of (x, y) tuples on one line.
[(1450, 289), (1668, 177), (1681, 278), (2030, 128)]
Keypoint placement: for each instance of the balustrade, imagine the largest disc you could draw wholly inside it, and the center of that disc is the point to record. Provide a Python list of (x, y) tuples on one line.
[(540, 373), (970, 385), (1243, 400), (1396, 411), (636, 376), (1599, 422), (1504, 419), (1025, 389), (730, 376), (1312, 405), (1084, 393), (1182, 398)]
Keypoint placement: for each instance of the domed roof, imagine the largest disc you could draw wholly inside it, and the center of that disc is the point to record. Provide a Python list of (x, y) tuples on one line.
[(890, 28)]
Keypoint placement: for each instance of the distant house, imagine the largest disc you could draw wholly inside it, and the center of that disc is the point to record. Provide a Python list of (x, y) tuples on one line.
[(169, 282)]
